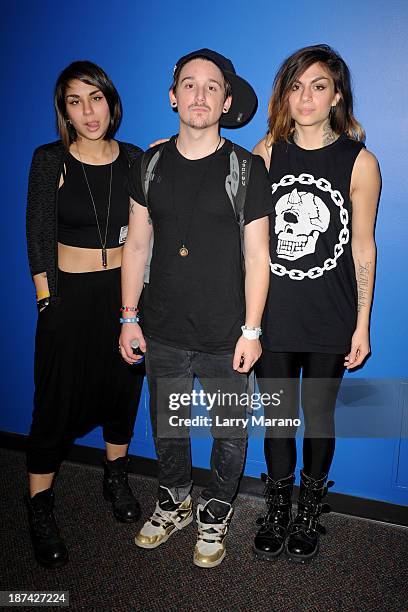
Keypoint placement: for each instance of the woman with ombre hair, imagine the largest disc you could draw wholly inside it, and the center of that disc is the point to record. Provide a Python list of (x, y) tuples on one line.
[(325, 187)]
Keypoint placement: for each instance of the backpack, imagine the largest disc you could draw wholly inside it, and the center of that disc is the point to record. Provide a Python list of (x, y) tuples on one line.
[(236, 183)]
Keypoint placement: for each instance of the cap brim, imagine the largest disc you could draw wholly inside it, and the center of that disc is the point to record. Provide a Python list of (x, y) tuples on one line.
[(244, 102)]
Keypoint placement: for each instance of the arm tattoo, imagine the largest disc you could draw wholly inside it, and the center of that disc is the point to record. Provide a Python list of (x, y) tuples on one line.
[(131, 207), (362, 283)]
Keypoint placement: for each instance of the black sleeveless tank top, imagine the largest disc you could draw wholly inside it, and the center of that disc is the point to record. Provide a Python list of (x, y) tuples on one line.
[(76, 218), (312, 299)]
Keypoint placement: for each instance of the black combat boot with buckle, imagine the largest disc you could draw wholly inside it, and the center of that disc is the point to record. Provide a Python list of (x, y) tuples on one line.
[(269, 542), (116, 489), (49, 548), (303, 540)]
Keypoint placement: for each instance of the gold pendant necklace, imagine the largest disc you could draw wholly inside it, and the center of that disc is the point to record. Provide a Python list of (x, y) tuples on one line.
[(183, 250)]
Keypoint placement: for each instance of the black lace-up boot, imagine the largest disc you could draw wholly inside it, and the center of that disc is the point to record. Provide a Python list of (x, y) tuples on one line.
[(49, 548), (116, 489), (270, 540), (303, 541)]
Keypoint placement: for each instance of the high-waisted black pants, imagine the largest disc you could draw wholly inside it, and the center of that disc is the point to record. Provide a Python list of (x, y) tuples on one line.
[(80, 379), (316, 391)]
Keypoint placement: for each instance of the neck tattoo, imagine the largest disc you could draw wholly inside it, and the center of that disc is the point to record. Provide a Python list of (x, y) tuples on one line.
[(328, 135)]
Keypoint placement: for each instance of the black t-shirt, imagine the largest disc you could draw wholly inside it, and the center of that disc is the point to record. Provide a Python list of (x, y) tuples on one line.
[(197, 302)]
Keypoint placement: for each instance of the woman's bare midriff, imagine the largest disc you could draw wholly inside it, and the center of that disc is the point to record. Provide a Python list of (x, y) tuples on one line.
[(75, 259)]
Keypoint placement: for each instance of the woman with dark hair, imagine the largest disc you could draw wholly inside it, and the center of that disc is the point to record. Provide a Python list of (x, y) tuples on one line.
[(325, 186), (77, 218)]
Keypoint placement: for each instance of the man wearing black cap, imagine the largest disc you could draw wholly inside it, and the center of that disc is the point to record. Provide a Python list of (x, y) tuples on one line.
[(200, 316)]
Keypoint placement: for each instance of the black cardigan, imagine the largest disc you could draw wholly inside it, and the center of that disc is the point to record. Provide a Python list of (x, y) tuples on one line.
[(42, 208)]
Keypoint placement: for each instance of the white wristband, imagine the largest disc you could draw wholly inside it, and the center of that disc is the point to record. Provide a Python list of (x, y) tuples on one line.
[(251, 333)]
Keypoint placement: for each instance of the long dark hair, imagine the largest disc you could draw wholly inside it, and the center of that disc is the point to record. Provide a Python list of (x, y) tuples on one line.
[(89, 73), (280, 122)]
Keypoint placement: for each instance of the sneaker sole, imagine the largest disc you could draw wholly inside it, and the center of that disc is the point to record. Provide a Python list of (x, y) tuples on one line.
[(210, 565), (183, 524)]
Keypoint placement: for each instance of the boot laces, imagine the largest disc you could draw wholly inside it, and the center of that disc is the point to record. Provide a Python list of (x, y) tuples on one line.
[(307, 519), (120, 485), (274, 502), (44, 523)]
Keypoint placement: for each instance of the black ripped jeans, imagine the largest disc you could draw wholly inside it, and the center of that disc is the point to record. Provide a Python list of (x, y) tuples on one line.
[(317, 393), (171, 373)]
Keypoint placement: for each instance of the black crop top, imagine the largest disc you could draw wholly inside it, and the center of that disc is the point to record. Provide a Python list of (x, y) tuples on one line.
[(76, 218)]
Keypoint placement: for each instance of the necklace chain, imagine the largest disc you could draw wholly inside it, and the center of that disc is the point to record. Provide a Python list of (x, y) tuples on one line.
[(103, 242), (183, 250)]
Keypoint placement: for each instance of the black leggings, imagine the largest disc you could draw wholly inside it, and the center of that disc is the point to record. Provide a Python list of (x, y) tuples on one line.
[(318, 400)]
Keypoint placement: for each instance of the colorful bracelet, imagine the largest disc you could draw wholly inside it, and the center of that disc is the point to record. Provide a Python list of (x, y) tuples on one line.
[(129, 309), (42, 294), (129, 320)]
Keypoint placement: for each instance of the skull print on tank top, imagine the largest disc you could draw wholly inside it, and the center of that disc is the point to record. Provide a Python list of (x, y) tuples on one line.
[(312, 300)]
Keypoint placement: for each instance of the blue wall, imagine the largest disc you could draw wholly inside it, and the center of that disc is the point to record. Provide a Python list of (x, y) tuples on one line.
[(138, 45)]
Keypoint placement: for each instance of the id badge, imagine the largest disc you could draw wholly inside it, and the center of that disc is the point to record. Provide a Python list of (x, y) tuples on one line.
[(123, 234)]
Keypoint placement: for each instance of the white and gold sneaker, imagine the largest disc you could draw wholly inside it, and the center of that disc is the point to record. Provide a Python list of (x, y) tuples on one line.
[(168, 517), (213, 520)]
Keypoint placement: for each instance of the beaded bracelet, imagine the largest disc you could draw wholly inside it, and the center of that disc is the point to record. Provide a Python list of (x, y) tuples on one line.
[(129, 320), (129, 309)]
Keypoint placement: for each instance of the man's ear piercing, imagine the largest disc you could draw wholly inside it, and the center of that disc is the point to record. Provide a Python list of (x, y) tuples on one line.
[(174, 104)]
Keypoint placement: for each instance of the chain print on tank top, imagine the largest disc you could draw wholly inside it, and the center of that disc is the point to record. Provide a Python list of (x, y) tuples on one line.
[(324, 218)]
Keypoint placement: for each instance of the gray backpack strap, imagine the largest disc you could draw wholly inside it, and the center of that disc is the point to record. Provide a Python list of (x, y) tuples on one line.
[(236, 184), (148, 166), (146, 276)]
